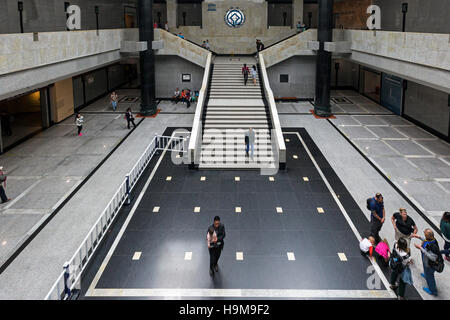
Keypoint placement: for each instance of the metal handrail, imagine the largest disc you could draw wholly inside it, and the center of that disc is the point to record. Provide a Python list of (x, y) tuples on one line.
[(70, 277)]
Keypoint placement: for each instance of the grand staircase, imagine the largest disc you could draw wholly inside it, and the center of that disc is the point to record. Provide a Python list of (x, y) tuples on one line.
[(231, 110)]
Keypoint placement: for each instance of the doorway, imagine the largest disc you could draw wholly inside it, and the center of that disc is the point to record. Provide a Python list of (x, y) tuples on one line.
[(370, 84)]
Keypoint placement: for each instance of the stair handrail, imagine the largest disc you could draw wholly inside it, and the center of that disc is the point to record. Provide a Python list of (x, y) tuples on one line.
[(277, 133), (196, 134)]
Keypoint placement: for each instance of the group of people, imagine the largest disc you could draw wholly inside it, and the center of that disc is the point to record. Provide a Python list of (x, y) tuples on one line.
[(187, 96), (253, 72), (114, 100), (157, 25), (399, 258)]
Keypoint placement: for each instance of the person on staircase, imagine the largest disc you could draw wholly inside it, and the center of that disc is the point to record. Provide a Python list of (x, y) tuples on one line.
[(245, 72), (250, 141), (254, 74)]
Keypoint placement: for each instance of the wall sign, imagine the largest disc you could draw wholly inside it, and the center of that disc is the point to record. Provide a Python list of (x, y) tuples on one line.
[(185, 77), (234, 18)]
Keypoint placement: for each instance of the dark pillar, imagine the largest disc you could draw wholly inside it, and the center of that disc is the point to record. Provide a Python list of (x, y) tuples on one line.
[(323, 68), (148, 103)]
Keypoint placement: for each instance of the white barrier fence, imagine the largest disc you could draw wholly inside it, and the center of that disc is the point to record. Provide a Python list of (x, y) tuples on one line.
[(69, 281)]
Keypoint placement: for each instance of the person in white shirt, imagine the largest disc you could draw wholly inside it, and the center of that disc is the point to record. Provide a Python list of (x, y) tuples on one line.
[(367, 245), (166, 26)]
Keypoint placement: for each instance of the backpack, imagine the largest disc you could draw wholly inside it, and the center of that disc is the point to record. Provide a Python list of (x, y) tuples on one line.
[(396, 262), (246, 71), (369, 204), (437, 265)]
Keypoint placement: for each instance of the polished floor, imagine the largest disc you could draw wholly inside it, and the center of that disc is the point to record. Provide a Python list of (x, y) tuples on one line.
[(292, 235)]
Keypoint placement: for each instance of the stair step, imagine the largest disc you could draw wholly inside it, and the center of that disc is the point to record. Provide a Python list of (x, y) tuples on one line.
[(233, 126)]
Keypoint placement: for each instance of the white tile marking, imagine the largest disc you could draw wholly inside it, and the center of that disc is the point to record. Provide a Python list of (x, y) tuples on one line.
[(320, 210), (156, 209), (279, 210), (342, 256), (306, 179), (271, 179), (237, 179), (188, 256), (137, 255), (238, 210), (197, 209), (203, 179), (291, 256), (169, 178), (295, 156), (239, 256)]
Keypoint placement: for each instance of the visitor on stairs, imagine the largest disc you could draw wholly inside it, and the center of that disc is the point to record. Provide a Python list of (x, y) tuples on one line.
[(254, 74), (445, 229), (245, 72), (250, 141)]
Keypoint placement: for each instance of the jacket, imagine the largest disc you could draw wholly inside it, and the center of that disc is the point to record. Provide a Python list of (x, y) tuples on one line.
[(445, 229), (220, 232)]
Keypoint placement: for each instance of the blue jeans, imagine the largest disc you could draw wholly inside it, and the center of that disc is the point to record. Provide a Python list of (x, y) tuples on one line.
[(248, 148), (114, 105), (429, 276)]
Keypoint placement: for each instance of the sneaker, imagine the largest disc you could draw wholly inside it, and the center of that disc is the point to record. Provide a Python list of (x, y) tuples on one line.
[(423, 275), (427, 290)]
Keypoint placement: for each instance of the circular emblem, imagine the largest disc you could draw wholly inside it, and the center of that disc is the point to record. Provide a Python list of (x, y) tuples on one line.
[(234, 18)]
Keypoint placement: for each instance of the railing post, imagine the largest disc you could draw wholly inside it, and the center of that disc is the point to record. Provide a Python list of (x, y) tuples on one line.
[(66, 279), (128, 201)]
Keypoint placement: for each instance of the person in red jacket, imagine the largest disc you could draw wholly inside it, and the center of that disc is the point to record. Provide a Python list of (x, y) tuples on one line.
[(245, 72)]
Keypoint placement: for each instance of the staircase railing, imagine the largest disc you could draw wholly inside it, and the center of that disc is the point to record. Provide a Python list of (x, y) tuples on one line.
[(195, 143), (276, 132), (68, 284)]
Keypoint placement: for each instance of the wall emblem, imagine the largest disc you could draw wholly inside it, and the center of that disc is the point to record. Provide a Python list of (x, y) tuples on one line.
[(234, 18)]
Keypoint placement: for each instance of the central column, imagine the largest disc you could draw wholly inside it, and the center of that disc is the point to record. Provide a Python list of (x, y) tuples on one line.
[(323, 67), (148, 103)]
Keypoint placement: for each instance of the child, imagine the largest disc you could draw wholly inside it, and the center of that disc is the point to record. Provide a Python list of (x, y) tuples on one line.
[(382, 252), (79, 122), (367, 246)]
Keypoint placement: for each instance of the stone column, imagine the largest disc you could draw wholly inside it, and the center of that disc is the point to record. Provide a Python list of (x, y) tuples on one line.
[(297, 12), (147, 58), (171, 6), (323, 69)]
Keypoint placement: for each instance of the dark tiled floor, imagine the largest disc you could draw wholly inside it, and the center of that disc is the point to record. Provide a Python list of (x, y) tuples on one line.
[(262, 234)]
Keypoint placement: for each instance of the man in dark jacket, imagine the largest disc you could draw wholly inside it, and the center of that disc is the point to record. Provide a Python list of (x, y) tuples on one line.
[(219, 229), (3, 177)]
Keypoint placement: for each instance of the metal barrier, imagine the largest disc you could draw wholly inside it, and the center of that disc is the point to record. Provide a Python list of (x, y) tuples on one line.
[(68, 283)]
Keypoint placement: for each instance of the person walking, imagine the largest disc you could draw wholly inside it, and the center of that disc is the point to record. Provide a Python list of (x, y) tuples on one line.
[(377, 216), (445, 229), (254, 74), (79, 120), (166, 26), (114, 100), (245, 72), (404, 225), (399, 263), (3, 178), (250, 136), (217, 242), (211, 240), (130, 118), (430, 259)]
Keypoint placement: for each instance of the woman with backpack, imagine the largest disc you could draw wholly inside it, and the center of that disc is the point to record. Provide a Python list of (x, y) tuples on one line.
[(399, 263), (445, 229)]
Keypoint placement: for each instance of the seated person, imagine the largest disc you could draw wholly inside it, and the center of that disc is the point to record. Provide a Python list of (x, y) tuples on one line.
[(177, 95), (367, 246), (382, 253)]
